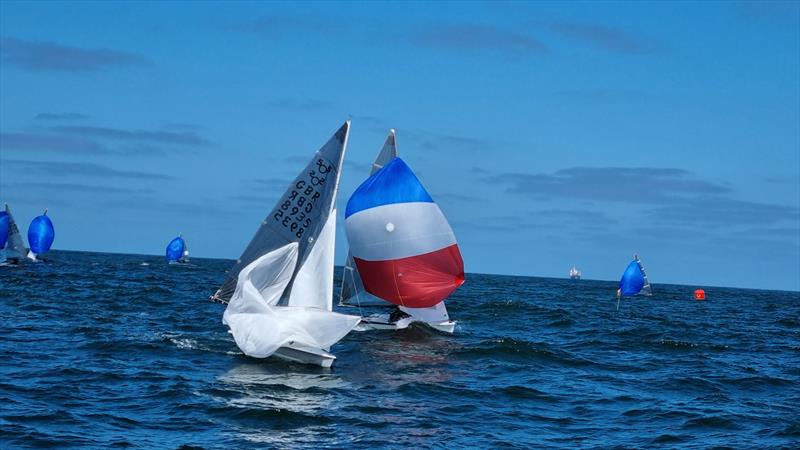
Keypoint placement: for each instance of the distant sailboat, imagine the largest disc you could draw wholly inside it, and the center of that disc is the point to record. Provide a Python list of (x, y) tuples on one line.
[(633, 281), (280, 291), (40, 236), (574, 273), (15, 247), (403, 248), (178, 251)]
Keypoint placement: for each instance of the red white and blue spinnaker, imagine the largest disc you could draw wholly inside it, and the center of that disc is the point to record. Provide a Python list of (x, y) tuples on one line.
[(401, 242)]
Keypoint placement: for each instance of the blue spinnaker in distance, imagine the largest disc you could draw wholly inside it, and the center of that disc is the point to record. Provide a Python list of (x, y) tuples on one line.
[(175, 249), (41, 234), (632, 280)]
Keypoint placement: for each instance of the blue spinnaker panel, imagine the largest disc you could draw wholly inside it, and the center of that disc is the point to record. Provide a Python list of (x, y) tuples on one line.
[(41, 234), (632, 280), (3, 228), (175, 249), (394, 183)]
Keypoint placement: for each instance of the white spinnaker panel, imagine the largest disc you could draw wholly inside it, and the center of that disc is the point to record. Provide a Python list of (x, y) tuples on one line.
[(398, 230), (434, 314), (15, 247), (352, 287), (313, 284)]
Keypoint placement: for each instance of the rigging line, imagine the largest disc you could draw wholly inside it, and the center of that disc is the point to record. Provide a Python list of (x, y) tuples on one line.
[(355, 288)]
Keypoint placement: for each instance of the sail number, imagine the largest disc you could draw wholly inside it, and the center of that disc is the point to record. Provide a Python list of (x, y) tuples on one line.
[(295, 212)]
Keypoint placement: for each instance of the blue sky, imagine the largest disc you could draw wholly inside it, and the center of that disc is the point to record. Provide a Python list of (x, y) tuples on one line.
[(552, 134)]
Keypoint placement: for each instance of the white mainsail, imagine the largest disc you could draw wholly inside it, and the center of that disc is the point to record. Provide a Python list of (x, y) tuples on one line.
[(280, 291), (15, 247)]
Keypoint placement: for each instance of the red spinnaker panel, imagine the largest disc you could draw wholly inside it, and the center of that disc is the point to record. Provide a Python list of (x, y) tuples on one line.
[(418, 281)]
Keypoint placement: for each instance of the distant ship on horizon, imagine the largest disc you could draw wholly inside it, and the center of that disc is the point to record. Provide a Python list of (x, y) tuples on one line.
[(574, 273)]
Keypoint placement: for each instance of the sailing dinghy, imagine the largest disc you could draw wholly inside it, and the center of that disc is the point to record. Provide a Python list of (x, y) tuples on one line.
[(634, 281), (14, 247), (40, 236), (402, 247), (177, 251), (280, 291)]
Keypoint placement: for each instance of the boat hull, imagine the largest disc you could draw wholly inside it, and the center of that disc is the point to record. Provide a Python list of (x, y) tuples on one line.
[(381, 322), (305, 355)]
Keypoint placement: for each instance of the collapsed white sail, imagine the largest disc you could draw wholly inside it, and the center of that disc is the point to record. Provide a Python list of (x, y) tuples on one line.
[(280, 291)]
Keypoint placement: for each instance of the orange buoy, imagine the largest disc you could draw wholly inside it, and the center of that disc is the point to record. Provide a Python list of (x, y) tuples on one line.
[(699, 294)]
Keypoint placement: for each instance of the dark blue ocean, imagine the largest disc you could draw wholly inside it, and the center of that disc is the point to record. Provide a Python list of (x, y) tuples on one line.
[(101, 351)]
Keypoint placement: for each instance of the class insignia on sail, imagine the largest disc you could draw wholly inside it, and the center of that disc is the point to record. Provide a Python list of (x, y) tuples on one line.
[(279, 293), (177, 250), (401, 243), (40, 236)]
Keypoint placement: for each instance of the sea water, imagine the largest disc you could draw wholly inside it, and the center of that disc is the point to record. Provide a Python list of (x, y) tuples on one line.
[(100, 350)]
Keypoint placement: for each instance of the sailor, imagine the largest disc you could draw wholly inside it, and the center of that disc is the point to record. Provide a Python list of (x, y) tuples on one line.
[(397, 314)]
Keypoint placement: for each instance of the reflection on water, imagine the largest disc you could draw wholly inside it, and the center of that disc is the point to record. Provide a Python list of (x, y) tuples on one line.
[(262, 394), (273, 402), (415, 355)]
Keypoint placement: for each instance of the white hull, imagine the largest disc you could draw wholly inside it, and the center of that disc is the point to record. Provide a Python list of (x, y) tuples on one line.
[(305, 355), (381, 322)]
